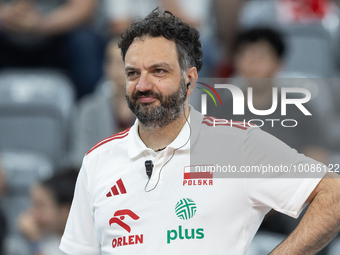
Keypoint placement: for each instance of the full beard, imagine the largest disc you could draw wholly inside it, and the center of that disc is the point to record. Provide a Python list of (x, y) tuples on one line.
[(171, 107)]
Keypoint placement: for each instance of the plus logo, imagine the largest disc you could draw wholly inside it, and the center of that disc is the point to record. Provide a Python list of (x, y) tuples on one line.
[(185, 209), (118, 218)]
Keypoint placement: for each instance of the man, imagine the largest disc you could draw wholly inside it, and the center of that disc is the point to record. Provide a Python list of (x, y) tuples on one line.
[(44, 222), (100, 116), (134, 194), (259, 56)]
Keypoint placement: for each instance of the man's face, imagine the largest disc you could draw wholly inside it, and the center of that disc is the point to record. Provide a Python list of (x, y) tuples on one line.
[(257, 60), (114, 65), (155, 88), (45, 211)]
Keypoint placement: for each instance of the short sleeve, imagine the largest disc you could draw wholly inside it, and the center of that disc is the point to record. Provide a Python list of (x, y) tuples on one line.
[(285, 192), (79, 237), (311, 126)]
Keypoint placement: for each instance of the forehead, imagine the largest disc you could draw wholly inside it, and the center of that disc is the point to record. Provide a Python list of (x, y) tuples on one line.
[(261, 46), (151, 50), (41, 193)]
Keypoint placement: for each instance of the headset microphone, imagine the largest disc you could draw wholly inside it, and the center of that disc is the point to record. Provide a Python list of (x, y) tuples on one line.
[(148, 168)]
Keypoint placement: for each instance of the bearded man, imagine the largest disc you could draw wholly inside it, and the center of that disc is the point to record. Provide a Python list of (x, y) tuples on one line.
[(136, 192)]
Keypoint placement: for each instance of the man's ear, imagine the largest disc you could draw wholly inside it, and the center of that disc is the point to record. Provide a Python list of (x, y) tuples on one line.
[(190, 79)]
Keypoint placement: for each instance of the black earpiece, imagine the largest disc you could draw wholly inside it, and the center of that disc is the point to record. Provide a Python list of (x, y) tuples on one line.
[(188, 85)]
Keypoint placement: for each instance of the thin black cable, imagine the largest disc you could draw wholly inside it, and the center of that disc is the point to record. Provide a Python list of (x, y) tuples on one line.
[(173, 153)]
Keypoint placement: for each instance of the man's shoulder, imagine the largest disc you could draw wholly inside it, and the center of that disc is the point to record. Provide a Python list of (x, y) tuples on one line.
[(230, 132), (217, 125), (109, 141)]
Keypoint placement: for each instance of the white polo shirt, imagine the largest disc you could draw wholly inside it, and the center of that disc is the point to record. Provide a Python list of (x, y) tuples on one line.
[(180, 212)]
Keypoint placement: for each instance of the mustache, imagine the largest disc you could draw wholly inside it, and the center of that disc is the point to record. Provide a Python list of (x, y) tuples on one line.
[(148, 93)]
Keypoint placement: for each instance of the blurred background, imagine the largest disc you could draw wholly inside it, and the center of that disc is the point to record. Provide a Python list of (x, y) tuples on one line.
[(62, 91)]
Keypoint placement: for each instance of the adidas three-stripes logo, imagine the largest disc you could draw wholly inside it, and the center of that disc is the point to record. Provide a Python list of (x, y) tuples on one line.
[(117, 189)]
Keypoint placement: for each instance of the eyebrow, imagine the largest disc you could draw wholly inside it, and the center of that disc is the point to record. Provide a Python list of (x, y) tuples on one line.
[(130, 69), (161, 64)]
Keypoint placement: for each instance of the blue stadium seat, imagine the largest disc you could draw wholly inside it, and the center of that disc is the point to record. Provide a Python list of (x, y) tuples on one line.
[(35, 112), (21, 170), (264, 243), (311, 48), (334, 246)]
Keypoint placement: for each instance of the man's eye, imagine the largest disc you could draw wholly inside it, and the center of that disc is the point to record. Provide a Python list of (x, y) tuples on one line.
[(160, 71), (131, 73)]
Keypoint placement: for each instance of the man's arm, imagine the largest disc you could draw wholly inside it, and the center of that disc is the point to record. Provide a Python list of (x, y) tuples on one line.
[(24, 17), (73, 14), (320, 223)]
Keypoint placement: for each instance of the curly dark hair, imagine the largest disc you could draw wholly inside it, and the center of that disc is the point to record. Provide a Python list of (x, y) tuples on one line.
[(62, 185), (172, 28), (257, 34)]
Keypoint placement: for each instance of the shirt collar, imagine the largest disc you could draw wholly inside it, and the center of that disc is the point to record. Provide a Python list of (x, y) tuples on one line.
[(186, 137)]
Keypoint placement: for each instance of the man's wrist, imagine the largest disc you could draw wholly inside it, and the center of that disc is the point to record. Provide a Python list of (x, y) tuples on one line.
[(40, 26)]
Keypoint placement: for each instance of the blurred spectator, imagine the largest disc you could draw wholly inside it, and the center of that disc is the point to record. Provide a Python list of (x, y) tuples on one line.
[(194, 12), (280, 14), (259, 54), (258, 57), (2, 217), (122, 13), (105, 112), (227, 19), (43, 224), (54, 33), (303, 11)]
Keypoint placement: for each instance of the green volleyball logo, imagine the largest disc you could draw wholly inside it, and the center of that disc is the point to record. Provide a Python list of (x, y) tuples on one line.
[(185, 209)]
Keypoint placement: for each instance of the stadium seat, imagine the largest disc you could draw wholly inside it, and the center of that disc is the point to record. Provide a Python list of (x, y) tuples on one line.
[(311, 48), (21, 169), (264, 243), (35, 112), (320, 88), (335, 123), (258, 13), (322, 101), (334, 246), (88, 109), (324, 92)]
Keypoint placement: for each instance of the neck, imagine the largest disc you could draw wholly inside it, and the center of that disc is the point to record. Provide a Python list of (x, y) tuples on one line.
[(262, 97), (158, 138)]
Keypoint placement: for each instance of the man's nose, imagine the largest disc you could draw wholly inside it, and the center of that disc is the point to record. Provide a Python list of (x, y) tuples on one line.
[(144, 83)]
